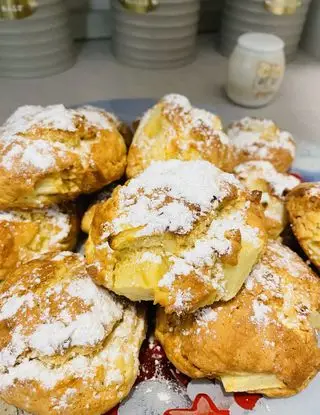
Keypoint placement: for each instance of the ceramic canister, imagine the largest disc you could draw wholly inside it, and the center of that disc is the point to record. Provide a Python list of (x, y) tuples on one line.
[(242, 16), (38, 44), (164, 37), (256, 69), (311, 34)]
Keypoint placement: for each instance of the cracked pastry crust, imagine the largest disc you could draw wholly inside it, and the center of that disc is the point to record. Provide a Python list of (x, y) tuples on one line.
[(261, 139), (173, 129), (67, 346), (261, 175), (183, 234), (303, 205), (262, 341), (25, 235), (99, 198), (52, 154)]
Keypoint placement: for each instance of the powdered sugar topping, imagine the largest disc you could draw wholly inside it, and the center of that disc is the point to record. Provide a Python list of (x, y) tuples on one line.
[(171, 196), (257, 136), (206, 251), (260, 313), (105, 362), (53, 218), (273, 282), (188, 127), (256, 170), (314, 190), (96, 117), (205, 315), (22, 146)]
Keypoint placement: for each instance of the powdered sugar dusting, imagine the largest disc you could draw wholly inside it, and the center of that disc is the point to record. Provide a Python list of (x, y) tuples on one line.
[(61, 221), (260, 313), (171, 196), (207, 250), (181, 299), (54, 218), (177, 100), (95, 117), (37, 154), (258, 136), (86, 329), (277, 286), (52, 334), (314, 190), (287, 260), (82, 367), (257, 170), (205, 315), (13, 304), (28, 117), (188, 128), (62, 403), (21, 150)]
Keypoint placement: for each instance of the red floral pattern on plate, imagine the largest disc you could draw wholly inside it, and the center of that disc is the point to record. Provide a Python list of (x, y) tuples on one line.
[(245, 400), (202, 405)]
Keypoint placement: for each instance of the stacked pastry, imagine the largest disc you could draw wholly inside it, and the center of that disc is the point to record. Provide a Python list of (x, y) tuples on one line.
[(187, 235), (62, 337), (193, 230)]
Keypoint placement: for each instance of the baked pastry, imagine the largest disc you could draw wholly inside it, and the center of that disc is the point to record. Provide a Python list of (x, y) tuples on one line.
[(263, 340), (51, 154), (100, 197), (173, 129), (182, 234), (67, 347), (261, 175), (303, 204), (26, 234), (260, 139)]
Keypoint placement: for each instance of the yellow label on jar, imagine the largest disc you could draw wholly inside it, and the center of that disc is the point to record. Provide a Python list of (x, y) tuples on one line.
[(16, 9), (280, 7), (140, 6), (267, 78)]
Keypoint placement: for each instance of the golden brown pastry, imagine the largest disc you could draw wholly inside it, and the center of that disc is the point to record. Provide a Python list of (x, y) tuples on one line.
[(173, 129), (261, 175), (26, 234), (261, 139), (263, 340), (100, 197), (67, 347), (182, 234), (51, 154), (303, 204)]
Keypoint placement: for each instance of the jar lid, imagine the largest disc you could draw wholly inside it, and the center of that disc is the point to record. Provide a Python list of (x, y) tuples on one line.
[(261, 42)]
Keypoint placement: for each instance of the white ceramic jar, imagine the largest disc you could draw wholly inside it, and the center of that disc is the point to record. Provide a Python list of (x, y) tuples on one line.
[(256, 69)]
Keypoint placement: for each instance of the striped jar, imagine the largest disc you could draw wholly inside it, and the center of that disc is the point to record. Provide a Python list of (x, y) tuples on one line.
[(241, 16), (39, 45), (162, 38)]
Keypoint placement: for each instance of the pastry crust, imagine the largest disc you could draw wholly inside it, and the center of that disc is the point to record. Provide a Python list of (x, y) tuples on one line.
[(102, 196), (51, 154), (263, 340), (303, 204), (261, 175), (67, 346), (26, 234), (182, 234), (261, 139), (173, 129)]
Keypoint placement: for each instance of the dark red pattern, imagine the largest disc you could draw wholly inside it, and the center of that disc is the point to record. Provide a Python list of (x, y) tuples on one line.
[(202, 405)]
